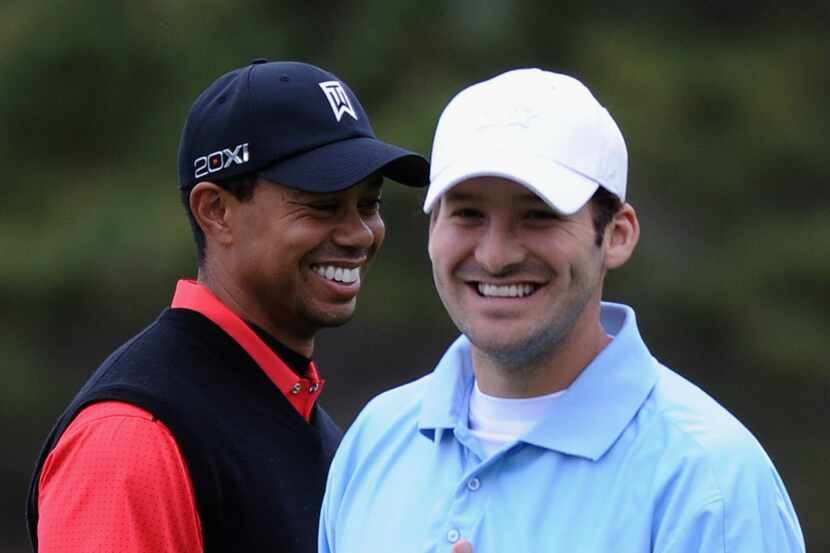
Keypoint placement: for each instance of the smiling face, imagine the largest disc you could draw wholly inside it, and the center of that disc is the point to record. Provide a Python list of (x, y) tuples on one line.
[(293, 261), (517, 279)]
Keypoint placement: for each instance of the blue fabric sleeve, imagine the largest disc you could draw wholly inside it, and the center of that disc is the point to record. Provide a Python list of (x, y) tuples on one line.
[(764, 523)]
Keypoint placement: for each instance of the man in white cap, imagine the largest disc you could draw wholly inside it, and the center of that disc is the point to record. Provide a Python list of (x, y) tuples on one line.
[(548, 425)]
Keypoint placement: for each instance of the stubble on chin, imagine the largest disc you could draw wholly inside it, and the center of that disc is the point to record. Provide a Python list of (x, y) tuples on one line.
[(523, 357)]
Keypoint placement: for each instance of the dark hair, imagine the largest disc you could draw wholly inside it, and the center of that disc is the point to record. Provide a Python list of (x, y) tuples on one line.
[(604, 205), (242, 188)]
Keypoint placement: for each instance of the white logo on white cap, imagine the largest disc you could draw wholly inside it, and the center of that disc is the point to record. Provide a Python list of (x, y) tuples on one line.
[(515, 116), (338, 99)]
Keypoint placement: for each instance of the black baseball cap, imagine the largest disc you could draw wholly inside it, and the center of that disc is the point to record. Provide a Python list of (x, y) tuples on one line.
[(293, 123)]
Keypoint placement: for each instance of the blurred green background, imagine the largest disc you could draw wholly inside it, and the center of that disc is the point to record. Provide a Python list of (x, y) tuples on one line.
[(724, 106)]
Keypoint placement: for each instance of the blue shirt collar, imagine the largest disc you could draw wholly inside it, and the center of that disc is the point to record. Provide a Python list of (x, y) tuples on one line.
[(588, 419)]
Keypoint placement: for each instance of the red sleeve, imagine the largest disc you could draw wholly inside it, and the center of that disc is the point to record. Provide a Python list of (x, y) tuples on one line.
[(116, 481)]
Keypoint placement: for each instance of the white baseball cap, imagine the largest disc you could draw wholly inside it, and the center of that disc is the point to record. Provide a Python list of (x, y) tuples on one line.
[(540, 129)]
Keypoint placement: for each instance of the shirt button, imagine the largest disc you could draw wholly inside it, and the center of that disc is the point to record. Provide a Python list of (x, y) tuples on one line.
[(453, 535), (473, 484), (312, 388), (296, 388)]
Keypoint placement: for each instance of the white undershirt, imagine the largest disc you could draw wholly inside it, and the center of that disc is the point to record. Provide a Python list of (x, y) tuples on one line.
[(496, 421)]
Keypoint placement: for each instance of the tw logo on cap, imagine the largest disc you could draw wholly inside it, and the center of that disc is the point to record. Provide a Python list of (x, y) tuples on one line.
[(338, 99)]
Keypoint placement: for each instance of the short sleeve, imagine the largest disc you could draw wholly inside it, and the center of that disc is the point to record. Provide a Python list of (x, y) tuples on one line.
[(116, 481), (753, 516), (697, 530)]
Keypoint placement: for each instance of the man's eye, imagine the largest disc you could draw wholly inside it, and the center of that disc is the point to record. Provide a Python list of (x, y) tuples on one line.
[(371, 206), (541, 215), (326, 207), (467, 213)]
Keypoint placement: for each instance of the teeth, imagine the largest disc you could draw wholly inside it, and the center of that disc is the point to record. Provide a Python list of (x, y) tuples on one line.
[(338, 274), (511, 291)]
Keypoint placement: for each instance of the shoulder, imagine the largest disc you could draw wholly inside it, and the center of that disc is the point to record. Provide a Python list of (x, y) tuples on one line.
[(406, 395), (112, 439), (167, 331), (102, 412), (116, 471), (388, 419), (140, 352), (707, 461), (165, 356), (384, 431), (391, 412), (706, 428)]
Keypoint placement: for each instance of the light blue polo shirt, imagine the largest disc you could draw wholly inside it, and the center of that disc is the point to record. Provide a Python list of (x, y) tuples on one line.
[(632, 459)]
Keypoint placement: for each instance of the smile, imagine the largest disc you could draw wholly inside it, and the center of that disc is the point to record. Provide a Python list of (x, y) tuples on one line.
[(520, 290), (345, 275)]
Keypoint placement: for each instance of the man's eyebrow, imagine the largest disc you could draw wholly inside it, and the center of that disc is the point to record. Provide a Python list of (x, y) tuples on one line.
[(375, 180), (375, 184), (304, 196), (521, 197), (297, 194), (457, 196), (530, 197)]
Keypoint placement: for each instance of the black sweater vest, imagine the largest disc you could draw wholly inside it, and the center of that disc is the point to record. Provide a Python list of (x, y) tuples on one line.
[(258, 468)]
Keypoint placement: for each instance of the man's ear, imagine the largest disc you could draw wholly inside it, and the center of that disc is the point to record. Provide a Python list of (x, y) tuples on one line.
[(209, 205), (621, 236)]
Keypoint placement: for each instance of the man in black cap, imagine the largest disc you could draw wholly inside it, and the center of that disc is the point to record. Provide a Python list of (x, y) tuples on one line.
[(202, 433)]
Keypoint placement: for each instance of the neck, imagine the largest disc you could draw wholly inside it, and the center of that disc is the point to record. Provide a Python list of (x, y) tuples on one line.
[(551, 370), (237, 300)]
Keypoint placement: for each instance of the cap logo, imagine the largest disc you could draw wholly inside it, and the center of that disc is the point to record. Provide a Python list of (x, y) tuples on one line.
[(338, 99), (220, 159), (517, 116)]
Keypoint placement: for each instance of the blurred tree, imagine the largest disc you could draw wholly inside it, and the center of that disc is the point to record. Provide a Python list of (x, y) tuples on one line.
[(724, 112)]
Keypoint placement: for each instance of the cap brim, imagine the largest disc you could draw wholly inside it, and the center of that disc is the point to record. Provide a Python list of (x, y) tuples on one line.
[(562, 188), (343, 164)]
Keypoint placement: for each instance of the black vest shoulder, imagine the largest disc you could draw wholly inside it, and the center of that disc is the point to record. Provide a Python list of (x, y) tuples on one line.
[(258, 468)]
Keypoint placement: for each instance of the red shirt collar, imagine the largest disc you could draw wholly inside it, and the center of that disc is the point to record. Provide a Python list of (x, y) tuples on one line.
[(300, 392)]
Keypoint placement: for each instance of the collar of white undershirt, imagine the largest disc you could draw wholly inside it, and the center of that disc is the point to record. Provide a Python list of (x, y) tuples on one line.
[(497, 421)]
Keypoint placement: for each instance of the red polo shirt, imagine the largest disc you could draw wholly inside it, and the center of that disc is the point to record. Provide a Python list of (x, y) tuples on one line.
[(116, 480)]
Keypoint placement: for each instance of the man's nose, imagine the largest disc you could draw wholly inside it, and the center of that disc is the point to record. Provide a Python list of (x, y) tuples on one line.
[(353, 230), (499, 249)]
